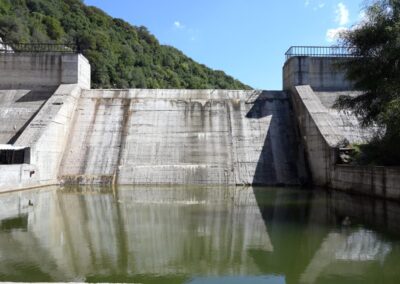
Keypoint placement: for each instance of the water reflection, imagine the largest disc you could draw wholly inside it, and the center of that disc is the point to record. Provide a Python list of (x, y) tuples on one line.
[(197, 235)]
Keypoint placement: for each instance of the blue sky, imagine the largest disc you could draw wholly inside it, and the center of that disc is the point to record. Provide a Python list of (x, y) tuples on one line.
[(245, 38)]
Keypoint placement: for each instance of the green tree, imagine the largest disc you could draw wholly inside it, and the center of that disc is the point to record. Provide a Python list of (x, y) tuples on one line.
[(375, 70), (53, 28)]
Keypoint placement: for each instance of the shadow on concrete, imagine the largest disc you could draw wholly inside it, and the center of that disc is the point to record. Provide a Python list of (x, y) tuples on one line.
[(265, 173), (34, 96), (277, 163)]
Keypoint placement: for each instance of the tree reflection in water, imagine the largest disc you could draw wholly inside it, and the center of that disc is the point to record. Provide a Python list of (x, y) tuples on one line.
[(196, 234)]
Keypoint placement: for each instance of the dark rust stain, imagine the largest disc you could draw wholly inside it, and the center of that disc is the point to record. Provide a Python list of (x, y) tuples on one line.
[(126, 115), (88, 135)]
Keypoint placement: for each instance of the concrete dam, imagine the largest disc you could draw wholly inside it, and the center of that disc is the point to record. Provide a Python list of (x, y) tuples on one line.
[(55, 129), (182, 137)]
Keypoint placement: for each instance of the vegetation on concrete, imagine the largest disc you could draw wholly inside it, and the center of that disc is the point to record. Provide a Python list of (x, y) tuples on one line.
[(375, 70), (121, 55)]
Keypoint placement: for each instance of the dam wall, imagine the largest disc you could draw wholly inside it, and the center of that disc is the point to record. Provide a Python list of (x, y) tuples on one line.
[(45, 138), (38, 96), (17, 108), (75, 135), (47, 133), (370, 180), (321, 135), (346, 121), (321, 73), (43, 70), (325, 131), (183, 137), (28, 80)]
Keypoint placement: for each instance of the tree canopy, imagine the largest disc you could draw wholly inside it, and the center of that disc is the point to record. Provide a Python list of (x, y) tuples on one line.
[(121, 55), (375, 70)]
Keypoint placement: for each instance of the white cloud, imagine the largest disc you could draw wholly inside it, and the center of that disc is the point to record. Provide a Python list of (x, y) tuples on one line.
[(333, 34), (315, 5), (190, 33), (342, 14), (319, 6), (178, 25), (342, 19)]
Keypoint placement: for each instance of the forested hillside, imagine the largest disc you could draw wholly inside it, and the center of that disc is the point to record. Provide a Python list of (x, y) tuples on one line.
[(121, 55)]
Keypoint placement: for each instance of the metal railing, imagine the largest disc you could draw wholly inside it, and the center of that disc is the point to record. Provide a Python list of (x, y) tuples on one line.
[(6, 47), (319, 51)]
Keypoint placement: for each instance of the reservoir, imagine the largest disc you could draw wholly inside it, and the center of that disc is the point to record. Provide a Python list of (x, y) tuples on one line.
[(197, 234)]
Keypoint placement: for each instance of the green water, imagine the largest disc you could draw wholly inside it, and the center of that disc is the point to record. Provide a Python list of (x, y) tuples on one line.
[(197, 235)]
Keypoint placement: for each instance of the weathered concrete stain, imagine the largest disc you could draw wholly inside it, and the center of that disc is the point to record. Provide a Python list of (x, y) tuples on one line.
[(156, 136), (89, 133)]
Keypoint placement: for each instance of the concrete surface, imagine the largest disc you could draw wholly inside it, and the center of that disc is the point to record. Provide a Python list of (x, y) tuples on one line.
[(370, 180), (17, 108), (346, 121), (182, 137), (38, 94), (41, 70), (324, 131), (320, 73), (47, 133), (17, 176), (321, 135)]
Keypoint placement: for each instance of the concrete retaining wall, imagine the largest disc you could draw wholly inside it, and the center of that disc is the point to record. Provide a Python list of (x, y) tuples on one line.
[(36, 70), (318, 72), (346, 121), (35, 115), (375, 181), (321, 135), (182, 137), (47, 133), (18, 176)]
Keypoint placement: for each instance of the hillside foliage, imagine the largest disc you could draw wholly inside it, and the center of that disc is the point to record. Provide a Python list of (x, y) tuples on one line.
[(375, 70), (121, 55)]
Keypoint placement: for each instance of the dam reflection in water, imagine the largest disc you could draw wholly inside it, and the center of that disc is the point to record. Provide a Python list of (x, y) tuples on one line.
[(197, 235)]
